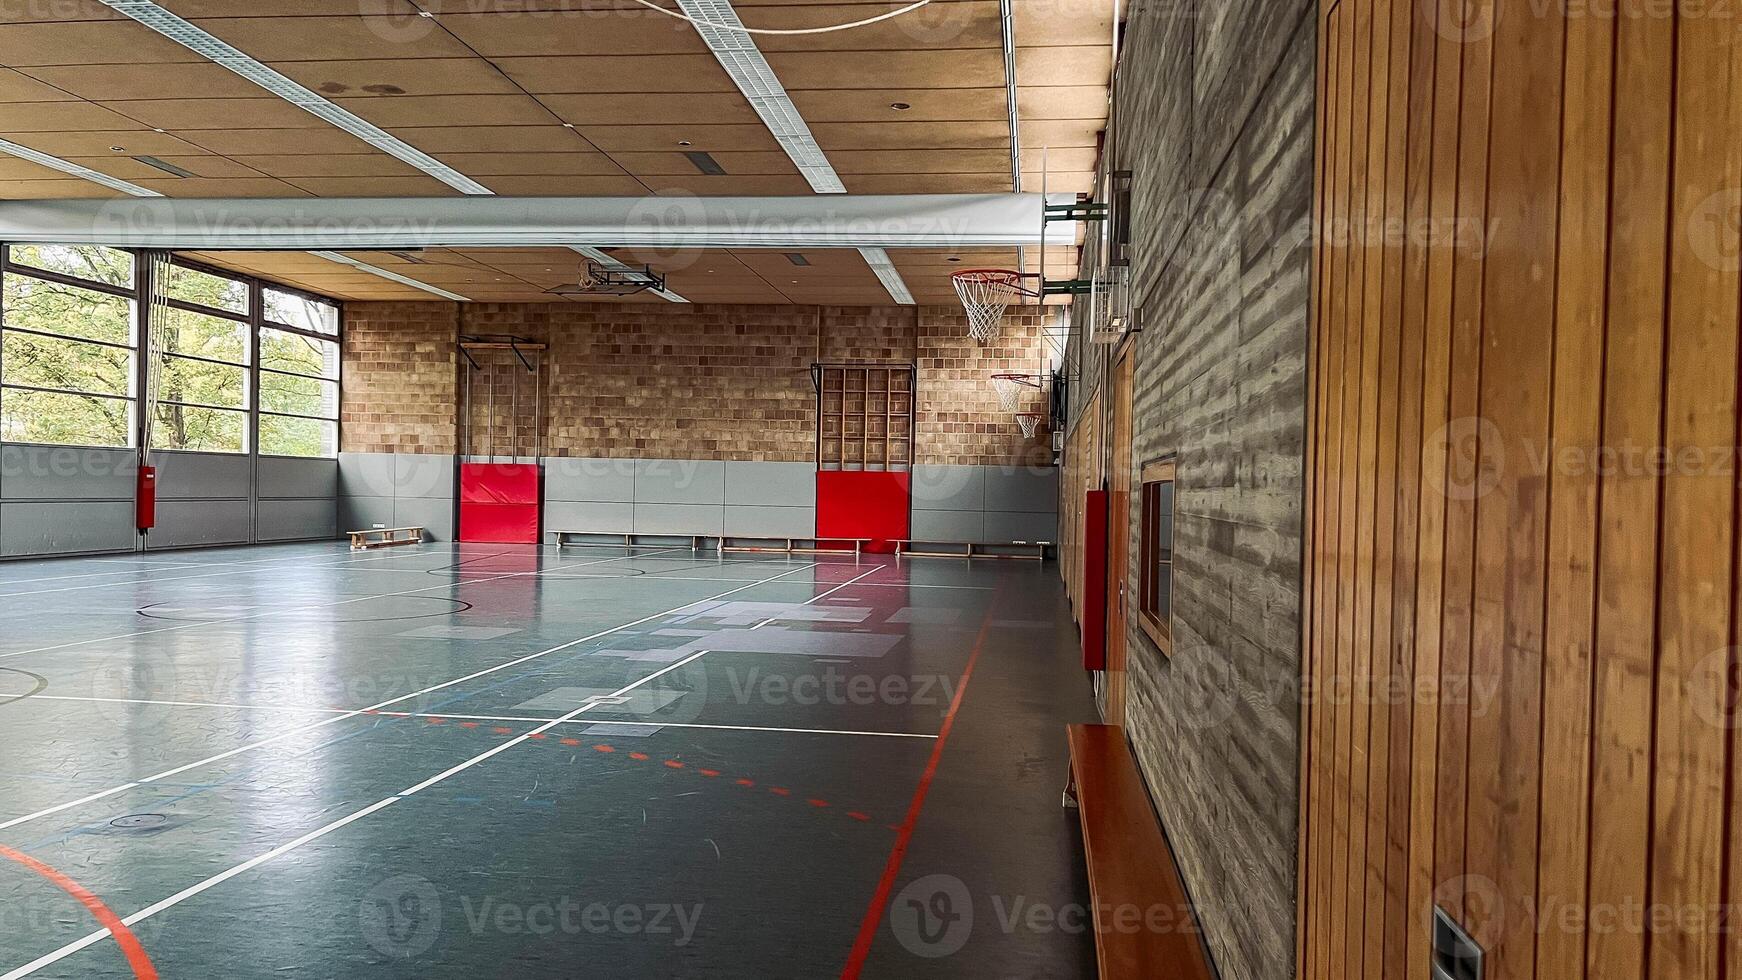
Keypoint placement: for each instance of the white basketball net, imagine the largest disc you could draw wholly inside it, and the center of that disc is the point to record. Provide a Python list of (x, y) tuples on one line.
[(1012, 391), (1030, 423), (986, 295)]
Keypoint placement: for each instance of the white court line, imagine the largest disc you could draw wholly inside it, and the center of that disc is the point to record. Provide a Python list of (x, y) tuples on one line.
[(250, 746), (319, 605), (320, 832)]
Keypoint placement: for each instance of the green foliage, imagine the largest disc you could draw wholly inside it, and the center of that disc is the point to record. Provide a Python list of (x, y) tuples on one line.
[(199, 366)]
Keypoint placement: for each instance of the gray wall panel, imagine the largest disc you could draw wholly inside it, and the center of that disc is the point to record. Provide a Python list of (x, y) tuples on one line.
[(770, 522), (185, 523), (366, 474), (771, 484), (63, 473), (292, 520), (659, 518), (425, 476), (185, 476), (62, 527), (363, 513), (680, 481), (942, 487), (576, 478), (436, 517), (1025, 489), (282, 477), (1004, 526), (948, 525), (591, 516)]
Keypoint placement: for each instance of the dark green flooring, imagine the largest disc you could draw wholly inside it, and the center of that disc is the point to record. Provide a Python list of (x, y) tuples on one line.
[(203, 705)]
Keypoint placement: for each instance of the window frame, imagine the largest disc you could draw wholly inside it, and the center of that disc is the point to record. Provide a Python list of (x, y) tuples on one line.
[(254, 321), (1155, 475), (137, 315)]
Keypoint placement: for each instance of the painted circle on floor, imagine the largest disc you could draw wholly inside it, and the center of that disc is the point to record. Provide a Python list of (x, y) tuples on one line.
[(352, 609)]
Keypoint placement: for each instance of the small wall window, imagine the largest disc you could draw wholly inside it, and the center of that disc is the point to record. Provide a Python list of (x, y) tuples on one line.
[(1155, 610)]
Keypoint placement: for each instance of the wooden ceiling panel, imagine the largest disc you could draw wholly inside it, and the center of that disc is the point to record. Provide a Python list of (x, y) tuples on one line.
[(940, 25), (386, 78), (274, 142), (203, 165), (1042, 24), (564, 186), (325, 38), (63, 117), (99, 143), (410, 185), (99, 42), (60, 11), (1063, 102), (635, 74), (15, 169), (1065, 65), (575, 164), (920, 161), (710, 138), (653, 109), (925, 105), (196, 9), (626, 30), (16, 86), (1037, 133), (674, 164), (730, 186), (202, 80), (916, 135), (551, 137), (449, 110), (1059, 182), (327, 165), (902, 71), (228, 114), (997, 182), (222, 187), (1061, 159)]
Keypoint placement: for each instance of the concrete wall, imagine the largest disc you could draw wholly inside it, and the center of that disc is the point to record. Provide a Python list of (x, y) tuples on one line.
[(57, 500), (1215, 107)]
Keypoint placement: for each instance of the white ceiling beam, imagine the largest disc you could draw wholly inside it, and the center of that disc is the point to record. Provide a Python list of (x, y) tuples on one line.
[(942, 221)]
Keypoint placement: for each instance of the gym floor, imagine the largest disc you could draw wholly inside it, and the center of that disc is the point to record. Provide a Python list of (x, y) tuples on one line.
[(490, 760)]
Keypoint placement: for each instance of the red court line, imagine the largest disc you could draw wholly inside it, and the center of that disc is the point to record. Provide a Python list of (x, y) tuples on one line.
[(874, 914), (124, 937)]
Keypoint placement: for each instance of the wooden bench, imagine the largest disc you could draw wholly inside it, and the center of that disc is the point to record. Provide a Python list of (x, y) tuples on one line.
[(385, 537), (630, 539), (904, 548), (1144, 925), (815, 546)]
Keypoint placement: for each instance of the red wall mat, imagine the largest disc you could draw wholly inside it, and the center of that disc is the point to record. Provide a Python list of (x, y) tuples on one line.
[(863, 505), (499, 502), (1095, 581)]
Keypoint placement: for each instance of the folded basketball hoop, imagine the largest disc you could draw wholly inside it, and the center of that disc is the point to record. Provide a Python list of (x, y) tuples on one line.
[(986, 294)]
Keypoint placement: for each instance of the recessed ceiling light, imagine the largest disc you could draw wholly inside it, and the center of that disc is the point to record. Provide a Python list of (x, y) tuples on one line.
[(900, 106), (568, 125), (160, 130), (683, 142), (954, 258), (117, 149)]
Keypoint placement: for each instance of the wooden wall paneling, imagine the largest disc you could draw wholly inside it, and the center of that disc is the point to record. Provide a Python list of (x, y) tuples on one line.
[(1628, 515), (1696, 575), (1580, 312), (1510, 492), (1348, 470), (1417, 82), (1447, 75)]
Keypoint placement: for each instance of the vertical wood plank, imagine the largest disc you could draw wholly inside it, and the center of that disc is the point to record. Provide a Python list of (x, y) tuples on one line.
[(1580, 320), (1628, 521), (1697, 531)]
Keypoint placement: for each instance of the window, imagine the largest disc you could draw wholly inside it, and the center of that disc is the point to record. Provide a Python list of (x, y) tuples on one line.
[(1155, 583), (301, 312), (200, 352), (299, 378), (68, 343)]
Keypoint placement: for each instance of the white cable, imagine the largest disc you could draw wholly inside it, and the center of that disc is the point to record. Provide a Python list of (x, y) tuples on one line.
[(807, 30)]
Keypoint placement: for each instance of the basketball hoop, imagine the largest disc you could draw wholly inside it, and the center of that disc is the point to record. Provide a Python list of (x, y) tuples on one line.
[(1030, 422), (1012, 388), (596, 279), (986, 294)]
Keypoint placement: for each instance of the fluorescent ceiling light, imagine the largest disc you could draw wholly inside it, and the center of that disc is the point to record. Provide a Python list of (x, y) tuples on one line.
[(376, 270), (69, 167), (738, 54)]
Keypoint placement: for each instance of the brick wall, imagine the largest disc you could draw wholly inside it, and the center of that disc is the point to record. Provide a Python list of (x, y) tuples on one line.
[(400, 378), (1219, 138), (678, 381)]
